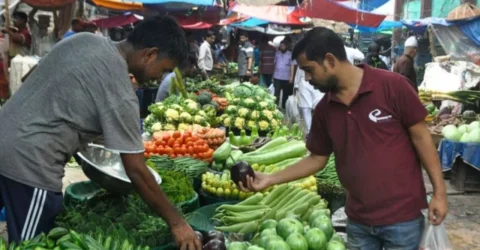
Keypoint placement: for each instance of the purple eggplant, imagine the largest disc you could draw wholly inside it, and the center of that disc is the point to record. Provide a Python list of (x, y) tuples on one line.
[(199, 236), (239, 172), (215, 244), (215, 235)]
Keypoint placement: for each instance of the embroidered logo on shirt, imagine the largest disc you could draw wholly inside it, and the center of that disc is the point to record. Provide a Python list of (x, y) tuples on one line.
[(374, 116)]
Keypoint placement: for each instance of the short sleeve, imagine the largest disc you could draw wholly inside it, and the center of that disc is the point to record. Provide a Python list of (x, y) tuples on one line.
[(407, 104), (318, 141), (121, 128), (249, 51)]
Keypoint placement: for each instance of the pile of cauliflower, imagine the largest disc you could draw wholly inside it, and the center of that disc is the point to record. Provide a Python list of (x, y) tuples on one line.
[(176, 114), (251, 112)]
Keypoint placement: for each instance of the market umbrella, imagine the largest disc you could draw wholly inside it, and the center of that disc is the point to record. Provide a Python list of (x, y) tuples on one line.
[(464, 11)]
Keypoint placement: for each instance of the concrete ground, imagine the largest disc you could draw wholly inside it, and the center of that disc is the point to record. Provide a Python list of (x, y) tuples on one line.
[(462, 222)]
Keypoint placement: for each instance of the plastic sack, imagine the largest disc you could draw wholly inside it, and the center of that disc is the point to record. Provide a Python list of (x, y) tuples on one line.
[(435, 238), (291, 109)]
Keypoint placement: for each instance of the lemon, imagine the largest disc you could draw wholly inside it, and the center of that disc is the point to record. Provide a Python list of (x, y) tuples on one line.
[(235, 194), (204, 186), (227, 193), (255, 166), (212, 189), (313, 188), (220, 192), (204, 177), (226, 185), (242, 195)]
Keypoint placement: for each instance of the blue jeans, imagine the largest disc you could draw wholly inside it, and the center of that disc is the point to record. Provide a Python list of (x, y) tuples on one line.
[(401, 236)]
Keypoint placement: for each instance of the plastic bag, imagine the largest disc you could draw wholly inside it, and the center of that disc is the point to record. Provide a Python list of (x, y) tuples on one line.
[(291, 109), (435, 238)]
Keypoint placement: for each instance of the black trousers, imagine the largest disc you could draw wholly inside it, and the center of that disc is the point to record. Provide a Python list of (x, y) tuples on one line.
[(29, 210), (285, 87), (267, 78)]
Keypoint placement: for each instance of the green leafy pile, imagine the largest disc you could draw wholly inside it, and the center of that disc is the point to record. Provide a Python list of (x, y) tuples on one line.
[(212, 85), (177, 113), (250, 106), (327, 179)]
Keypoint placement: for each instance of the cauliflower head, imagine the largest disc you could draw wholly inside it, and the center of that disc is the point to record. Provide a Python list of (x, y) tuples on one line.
[(227, 122), (267, 114), (243, 112), (249, 103), (231, 109), (263, 105), (183, 126), (169, 126), (254, 115), (274, 124), (198, 119), (263, 125), (172, 115), (239, 123), (251, 124), (156, 127)]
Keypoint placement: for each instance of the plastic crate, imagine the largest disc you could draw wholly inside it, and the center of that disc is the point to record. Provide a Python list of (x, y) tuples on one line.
[(80, 192), (465, 177)]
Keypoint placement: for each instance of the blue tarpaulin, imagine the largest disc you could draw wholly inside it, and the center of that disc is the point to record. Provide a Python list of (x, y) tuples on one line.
[(385, 25), (369, 5), (251, 22), (193, 2), (448, 151), (469, 27)]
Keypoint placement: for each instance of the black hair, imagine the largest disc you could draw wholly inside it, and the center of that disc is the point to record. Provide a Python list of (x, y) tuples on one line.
[(243, 33), (21, 15), (374, 47), (76, 21), (318, 42), (209, 33), (163, 33)]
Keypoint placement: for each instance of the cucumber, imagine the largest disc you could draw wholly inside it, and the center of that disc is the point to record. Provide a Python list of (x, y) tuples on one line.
[(66, 237), (78, 239), (291, 151), (222, 152), (57, 233), (114, 246), (125, 245), (64, 245), (107, 242), (3, 244), (92, 243)]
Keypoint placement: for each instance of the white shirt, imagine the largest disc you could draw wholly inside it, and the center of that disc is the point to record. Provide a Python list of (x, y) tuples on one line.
[(205, 57), (308, 97), (42, 45), (354, 54)]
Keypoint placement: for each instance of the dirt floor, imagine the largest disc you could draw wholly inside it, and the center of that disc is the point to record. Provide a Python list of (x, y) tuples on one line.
[(463, 221)]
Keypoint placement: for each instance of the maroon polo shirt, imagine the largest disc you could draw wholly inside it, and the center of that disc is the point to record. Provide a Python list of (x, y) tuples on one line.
[(375, 159)]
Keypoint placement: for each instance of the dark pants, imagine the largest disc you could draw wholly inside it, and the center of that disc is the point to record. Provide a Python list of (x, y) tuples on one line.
[(285, 87), (29, 210), (244, 78), (267, 79)]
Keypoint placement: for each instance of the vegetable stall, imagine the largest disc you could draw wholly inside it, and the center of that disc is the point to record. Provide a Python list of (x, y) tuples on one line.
[(203, 143)]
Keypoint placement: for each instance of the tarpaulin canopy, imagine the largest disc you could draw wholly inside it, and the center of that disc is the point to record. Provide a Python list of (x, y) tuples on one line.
[(469, 27), (193, 2), (385, 25), (331, 10), (275, 14), (193, 22), (118, 5), (251, 22), (48, 4), (116, 21)]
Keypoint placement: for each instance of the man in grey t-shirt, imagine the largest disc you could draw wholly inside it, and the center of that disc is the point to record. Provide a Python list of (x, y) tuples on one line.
[(81, 90), (245, 58)]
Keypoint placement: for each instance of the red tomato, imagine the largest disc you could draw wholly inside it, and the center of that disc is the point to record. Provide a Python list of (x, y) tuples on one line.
[(170, 142), (158, 142), (176, 134), (168, 150), (166, 137), (187, 134), (145, 154)]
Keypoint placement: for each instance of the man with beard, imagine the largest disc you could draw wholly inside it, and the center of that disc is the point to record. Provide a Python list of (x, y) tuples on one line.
[(405, 64), (78, 92), (373, 57), (374, 124)]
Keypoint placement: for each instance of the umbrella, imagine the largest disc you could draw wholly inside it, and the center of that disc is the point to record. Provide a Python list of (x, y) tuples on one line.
[(464, 11)]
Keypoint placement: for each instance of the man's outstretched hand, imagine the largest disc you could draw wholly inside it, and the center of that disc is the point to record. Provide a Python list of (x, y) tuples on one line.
[(185, 237), (259, 183)]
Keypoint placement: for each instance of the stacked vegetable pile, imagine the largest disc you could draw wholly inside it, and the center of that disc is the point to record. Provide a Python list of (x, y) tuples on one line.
[(222, 186), (464, 133), (61, 238), (186, 166), (178, 144), (250, 106), (327, 180), (213, 136), (128, 217), (178, 113), (461, 96), (211, 85)]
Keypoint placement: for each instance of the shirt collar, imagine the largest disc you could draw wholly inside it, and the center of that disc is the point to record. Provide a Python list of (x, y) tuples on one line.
[(409, 57), (366, 86)]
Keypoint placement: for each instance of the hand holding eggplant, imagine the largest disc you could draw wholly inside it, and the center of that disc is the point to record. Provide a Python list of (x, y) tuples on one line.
[(258, 183), (185, 237)]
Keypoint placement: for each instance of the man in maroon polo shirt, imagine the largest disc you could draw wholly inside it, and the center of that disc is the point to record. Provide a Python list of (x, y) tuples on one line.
[(373, 122)]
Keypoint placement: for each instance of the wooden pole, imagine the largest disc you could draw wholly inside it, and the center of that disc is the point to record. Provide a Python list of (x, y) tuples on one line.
[(7, 13)]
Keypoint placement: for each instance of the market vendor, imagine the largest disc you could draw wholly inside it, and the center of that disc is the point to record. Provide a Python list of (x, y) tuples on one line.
[(187, 69), (373, 57), (245, 58), (20, 35), (374, 123), (78, 92)]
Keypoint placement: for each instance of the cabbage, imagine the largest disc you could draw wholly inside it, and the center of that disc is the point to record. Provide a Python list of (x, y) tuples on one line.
[(450, 132), (472, 126), (465, 138), (463, 128), (316, 239), (474, 136)]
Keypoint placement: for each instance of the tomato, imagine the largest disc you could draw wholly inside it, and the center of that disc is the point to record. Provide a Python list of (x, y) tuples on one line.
[(195, 156), (179, 141), (190, 150), (150, 149), (188, 139), (145, 154), (177, 150), (148, 155), (177, 134), (161, 150), (188, 155), (194, 138), (166, 137), (158, 142), (172, 156), (168, 150), (204, 148), (187, 134), (170, 142), (179, 155), (209, 153)]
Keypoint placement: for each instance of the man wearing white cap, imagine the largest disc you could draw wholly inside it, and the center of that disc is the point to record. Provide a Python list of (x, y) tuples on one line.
[(405, 63)]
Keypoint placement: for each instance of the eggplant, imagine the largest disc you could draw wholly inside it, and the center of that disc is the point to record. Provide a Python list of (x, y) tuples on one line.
[(199, 236), (239, 172), (215, 235), (215, 244)]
